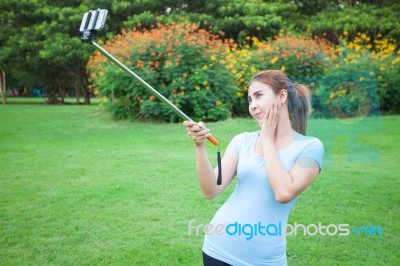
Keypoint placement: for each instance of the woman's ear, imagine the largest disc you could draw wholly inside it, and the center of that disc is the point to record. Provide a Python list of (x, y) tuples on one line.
[(283, 96)]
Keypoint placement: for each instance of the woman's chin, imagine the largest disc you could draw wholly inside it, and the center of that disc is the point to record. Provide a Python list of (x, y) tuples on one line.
[(258, 120)]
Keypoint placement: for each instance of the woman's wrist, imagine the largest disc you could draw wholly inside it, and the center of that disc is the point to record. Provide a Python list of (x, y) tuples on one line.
[(199, 145), (267, 142), (268, 145)]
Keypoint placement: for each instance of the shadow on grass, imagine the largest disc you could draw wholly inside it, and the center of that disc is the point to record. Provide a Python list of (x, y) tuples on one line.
[(45, 101)]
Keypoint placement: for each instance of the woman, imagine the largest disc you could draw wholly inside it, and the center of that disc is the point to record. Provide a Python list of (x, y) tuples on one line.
[(274, 165)]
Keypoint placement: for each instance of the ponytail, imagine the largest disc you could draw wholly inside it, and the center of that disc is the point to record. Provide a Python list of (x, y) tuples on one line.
[(299, 105)]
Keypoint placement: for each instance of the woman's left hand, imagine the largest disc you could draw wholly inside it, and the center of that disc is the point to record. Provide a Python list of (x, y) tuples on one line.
[(270, 122)]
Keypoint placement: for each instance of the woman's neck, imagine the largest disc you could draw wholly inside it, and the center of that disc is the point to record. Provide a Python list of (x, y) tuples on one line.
[(283, 134), (284, 127)]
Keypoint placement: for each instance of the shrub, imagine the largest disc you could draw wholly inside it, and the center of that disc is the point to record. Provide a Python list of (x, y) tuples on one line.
[(302, 58), (238, 62), (345, 94), (181, 61), (207, 77), (363, 77)]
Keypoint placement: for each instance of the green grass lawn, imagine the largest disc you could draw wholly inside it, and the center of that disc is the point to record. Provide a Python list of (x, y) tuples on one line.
[(77, 187)]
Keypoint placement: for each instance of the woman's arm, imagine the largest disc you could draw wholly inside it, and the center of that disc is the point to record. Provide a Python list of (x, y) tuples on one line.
[(286, 185), (206, 175)]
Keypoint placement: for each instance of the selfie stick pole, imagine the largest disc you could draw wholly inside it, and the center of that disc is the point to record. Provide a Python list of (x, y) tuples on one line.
[(87, 37), (92, 22), (151, 89)]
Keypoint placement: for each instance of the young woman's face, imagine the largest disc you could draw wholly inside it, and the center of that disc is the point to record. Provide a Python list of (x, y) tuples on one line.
[(260, 98)]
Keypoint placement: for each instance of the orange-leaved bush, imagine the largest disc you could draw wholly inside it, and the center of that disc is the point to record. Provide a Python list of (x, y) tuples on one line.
[(181, 61), (301, 57)]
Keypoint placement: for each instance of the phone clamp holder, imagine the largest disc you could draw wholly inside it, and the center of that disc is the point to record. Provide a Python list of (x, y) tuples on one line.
[(92, 22)]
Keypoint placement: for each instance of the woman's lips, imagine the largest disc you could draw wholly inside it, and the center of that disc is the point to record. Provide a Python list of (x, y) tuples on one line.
[(258, 115)]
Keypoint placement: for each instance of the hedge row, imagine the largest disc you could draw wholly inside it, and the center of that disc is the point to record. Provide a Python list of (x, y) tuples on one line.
[(206, 76)]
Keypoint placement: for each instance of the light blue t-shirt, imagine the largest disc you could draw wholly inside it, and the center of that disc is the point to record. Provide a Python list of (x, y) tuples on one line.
[(253, 219)]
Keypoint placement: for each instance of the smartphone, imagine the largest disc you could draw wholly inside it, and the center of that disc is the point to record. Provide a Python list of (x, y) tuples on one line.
[(93, 20)]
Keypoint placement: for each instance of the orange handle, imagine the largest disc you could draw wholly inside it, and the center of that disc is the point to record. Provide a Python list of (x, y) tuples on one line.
[(213, 140)]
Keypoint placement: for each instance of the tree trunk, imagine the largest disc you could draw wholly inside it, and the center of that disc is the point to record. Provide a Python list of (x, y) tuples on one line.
[(61, 91), (10, 89), (350, 3), (86, 95), (77, 93), (84, 82), (3, 87)]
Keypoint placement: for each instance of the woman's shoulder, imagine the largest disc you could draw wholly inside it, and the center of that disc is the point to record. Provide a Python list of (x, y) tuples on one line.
[(246, 136), (308, 141), (242, 140)]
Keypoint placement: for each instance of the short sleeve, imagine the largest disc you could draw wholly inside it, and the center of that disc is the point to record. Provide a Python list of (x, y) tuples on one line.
[(235, 144), (314, 150)]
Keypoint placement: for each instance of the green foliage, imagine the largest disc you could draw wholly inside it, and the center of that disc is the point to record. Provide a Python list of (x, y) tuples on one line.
[(236, 19), (39, 51), (301, 57), (180, 61), (40, 46), (347, 92), (388, 73), (311, 7), (361, 80), (370, 19)]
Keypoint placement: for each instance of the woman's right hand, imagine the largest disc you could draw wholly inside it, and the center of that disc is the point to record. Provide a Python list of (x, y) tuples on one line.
[(197, 131)]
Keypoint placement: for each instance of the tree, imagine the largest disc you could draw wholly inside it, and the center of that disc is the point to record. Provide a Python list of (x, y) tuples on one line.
[(365, 18), (40, 43), (3, 86), (37, 48), (40, 46), (235, 18)]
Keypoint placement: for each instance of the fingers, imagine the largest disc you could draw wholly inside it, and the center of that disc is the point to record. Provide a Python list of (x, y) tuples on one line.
[(197, 131), (273, 111), (271, 115), (270, 121), (277, 106), (193, 126), (189, 123), (267, 114)]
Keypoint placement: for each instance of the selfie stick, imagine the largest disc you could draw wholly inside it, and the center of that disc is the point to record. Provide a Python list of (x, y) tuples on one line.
[(92, 22)]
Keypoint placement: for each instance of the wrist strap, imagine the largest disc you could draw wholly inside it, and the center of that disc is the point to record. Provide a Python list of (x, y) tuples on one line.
[(219, 179)]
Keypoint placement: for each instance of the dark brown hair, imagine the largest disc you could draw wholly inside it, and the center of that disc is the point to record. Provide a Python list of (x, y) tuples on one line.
[(299, 103)]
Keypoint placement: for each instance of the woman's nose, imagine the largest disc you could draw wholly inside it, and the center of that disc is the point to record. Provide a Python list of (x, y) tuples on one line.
[(253, 105)]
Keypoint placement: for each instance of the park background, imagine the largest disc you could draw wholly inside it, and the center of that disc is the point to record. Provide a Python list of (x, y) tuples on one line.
[(103, 178)]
